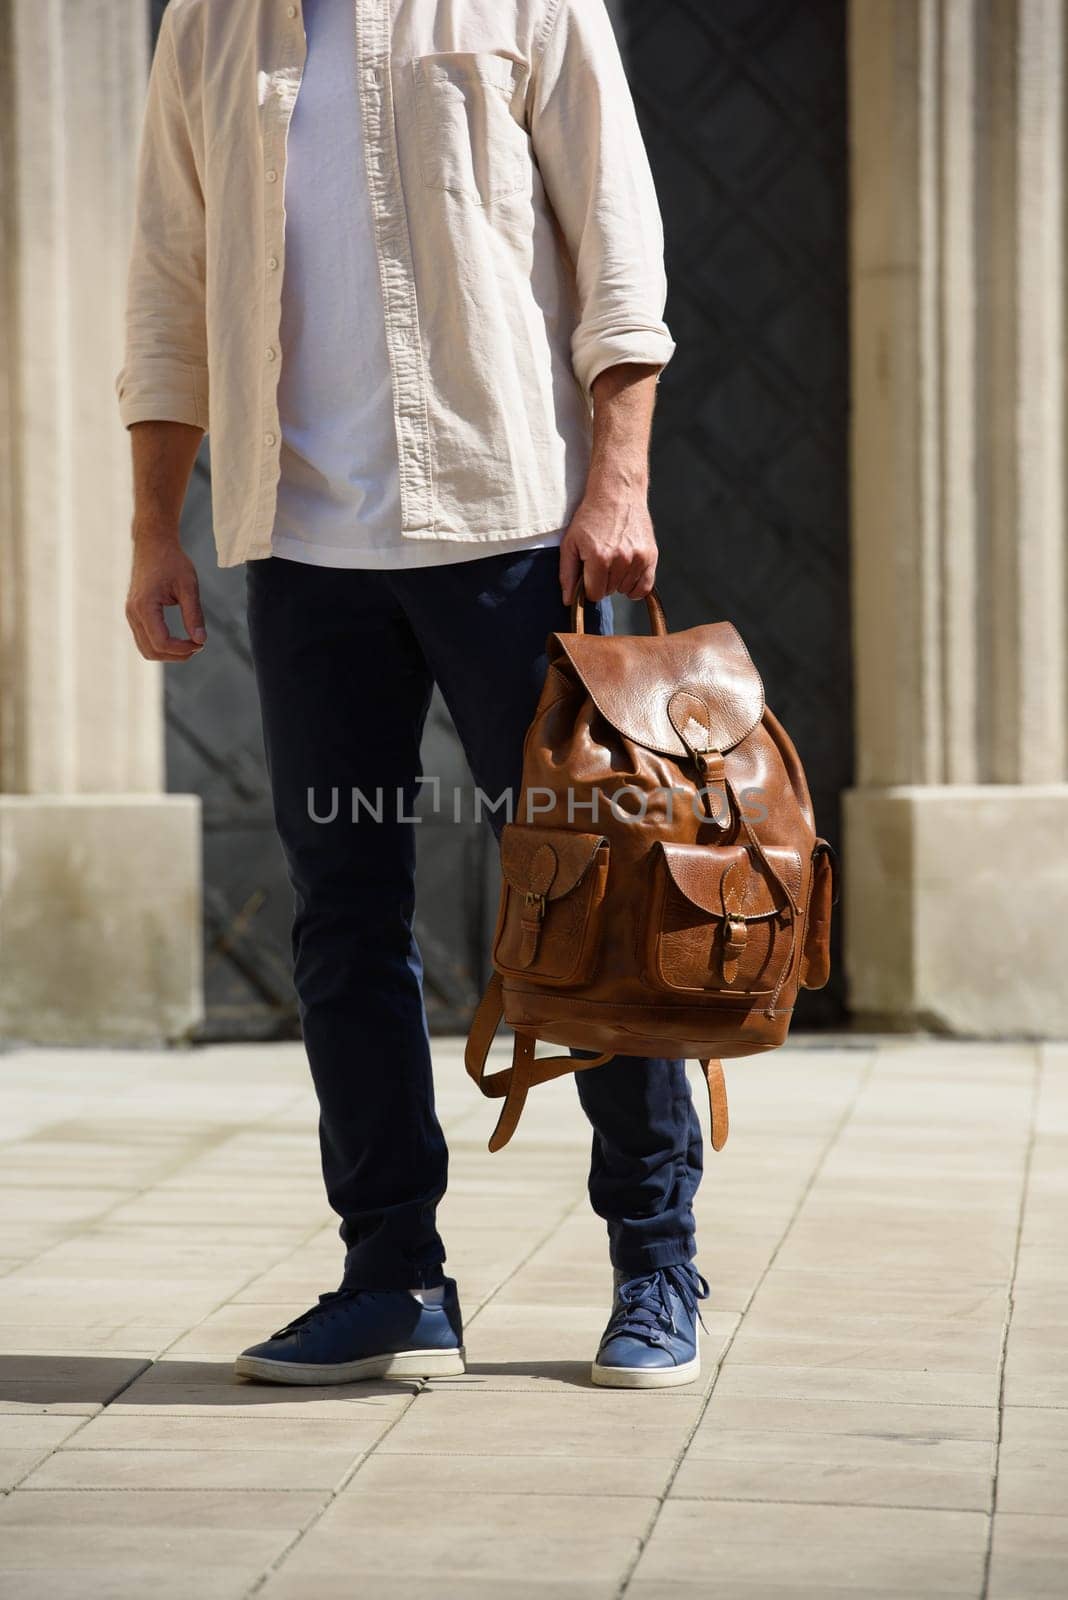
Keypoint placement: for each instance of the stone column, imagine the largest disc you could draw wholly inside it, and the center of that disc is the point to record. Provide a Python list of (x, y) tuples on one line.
[(956, 867), (100, 931)]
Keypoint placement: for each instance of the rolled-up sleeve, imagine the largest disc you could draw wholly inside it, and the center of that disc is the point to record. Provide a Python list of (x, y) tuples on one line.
[(164, 376), (593, 163)]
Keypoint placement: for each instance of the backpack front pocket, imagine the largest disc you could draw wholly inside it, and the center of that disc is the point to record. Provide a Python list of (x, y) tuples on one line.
[(549, 920), (718, 920)]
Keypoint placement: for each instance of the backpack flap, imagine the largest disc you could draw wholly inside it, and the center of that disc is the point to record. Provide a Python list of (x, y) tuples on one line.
[(639, 685)]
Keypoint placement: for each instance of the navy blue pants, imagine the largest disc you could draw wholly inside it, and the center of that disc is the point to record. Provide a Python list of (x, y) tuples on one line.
[(345, 663)]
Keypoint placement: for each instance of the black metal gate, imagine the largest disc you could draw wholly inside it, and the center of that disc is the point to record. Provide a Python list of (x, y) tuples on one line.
[(744, 110)]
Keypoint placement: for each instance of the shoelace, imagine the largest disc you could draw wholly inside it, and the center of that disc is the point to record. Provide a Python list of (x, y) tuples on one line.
[(645, 1306), (328, 1305)]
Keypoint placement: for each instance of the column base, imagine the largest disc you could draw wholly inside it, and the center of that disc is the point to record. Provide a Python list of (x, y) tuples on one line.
[(955, 909), (100, 918)]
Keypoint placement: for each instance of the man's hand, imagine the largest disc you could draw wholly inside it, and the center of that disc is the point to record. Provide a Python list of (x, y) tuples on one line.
[(163, 575), (611, 543)]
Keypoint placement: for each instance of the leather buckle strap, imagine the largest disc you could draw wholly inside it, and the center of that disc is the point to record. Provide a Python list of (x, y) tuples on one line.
[(526, 1070), (735, 939), (530, 923)]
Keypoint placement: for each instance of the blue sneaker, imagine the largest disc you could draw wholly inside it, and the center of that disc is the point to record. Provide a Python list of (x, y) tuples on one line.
[(651, 1338), (362, 1333)]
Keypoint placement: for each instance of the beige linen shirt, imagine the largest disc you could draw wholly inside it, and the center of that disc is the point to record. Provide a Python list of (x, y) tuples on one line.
[(519, 245)]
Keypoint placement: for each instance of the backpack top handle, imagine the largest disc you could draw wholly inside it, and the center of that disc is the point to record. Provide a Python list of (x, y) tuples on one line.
[(657, 619)]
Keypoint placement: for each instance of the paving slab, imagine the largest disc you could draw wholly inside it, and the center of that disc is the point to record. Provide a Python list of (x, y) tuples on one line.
[(822, 1482), (204, 1512), (1033, 1465), (912, 1551), (1029, 1557), (816, 1382), (633, 1474), (299, 1468), (189, 1387), (132, 1579), (489, 1537), (866, 1342), (679, 1589), (258, 1430), (45, 1530), (797, 1296), (864, 1418), (290, 1583), (29, 1378), (558, 1424)]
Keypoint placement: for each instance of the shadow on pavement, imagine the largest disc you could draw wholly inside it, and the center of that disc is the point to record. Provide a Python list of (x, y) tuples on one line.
[(45, 1381)]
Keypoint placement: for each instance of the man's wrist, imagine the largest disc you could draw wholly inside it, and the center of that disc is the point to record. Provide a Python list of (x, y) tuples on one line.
[(155, 532), (618, 481)]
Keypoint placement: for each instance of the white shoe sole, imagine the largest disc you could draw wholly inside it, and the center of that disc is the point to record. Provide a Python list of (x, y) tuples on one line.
[(646, 1377), (401, 1364)]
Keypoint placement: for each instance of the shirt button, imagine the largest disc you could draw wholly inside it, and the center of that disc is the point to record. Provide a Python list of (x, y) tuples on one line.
[(291, 12), (269, 439), (272, 263), (271, 175), (270, 352)]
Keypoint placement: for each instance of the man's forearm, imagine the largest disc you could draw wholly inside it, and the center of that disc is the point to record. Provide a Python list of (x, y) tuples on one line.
[(610, 541), (163, 457), (624, 397)]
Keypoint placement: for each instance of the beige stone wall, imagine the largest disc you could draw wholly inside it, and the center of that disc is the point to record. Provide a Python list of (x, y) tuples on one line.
[(956, 870), (99, 871)]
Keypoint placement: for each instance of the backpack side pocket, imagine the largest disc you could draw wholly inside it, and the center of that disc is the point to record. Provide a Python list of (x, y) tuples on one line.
[(823, 894)]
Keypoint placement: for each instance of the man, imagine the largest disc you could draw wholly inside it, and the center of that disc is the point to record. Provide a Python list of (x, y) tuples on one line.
[(397, 251)]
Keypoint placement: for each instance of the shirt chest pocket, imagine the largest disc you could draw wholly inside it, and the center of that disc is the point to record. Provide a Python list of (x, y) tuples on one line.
[(469, 142)]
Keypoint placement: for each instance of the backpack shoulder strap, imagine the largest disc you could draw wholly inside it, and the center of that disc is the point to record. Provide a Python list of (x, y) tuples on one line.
[(513, 1083)]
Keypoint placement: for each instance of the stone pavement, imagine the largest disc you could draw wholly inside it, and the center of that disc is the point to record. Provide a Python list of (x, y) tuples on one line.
[(883, 1410)]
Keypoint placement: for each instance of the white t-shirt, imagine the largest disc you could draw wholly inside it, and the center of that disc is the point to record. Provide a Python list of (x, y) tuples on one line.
[(339, 491)]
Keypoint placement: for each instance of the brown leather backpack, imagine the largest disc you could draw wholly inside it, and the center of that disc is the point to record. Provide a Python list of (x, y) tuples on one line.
[(663, 891)]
